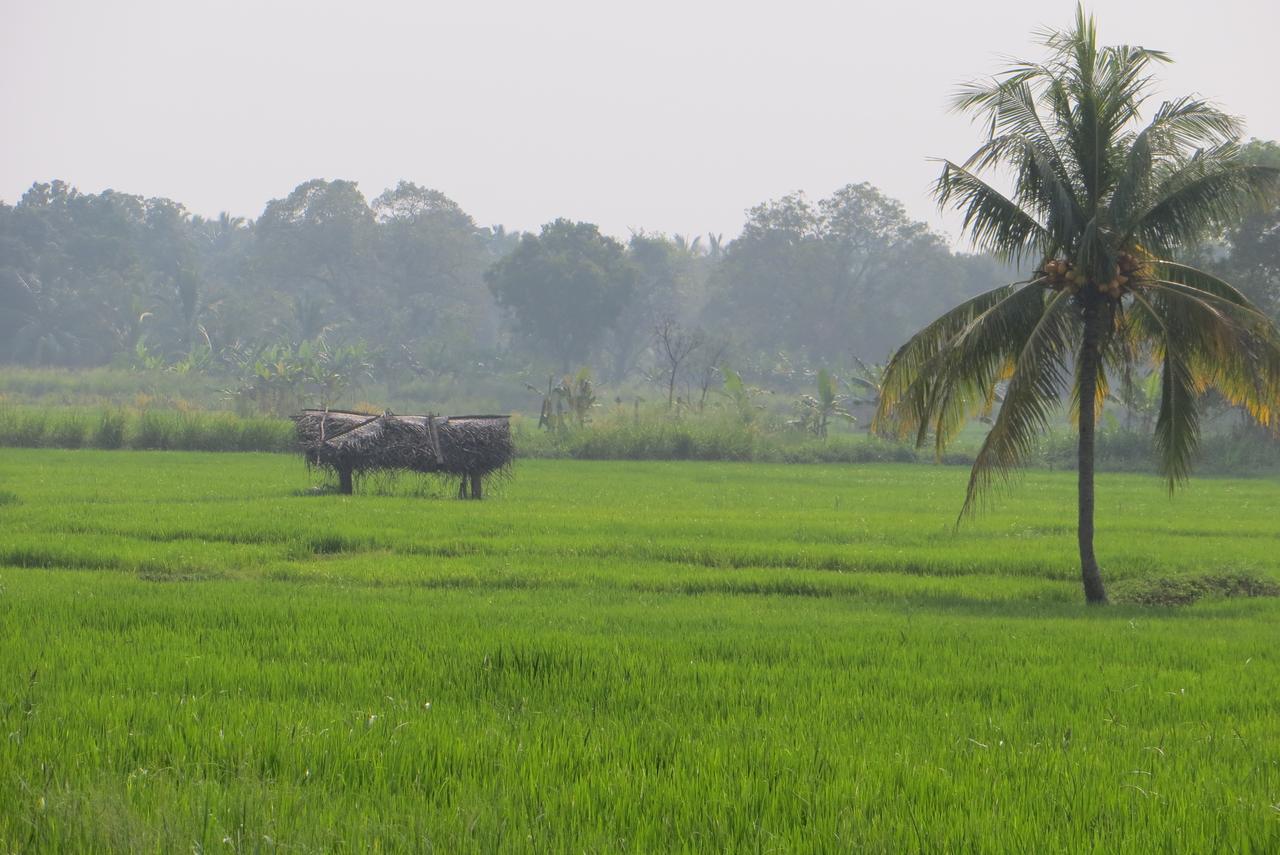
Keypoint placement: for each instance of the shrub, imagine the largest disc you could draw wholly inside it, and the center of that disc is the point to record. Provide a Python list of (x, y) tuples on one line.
[(1185, 590), (109, 431), (23, 428), (151, 431), (67, 430)]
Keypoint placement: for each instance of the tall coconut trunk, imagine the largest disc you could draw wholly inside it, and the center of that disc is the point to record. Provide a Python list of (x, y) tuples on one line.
[(1094, 591)]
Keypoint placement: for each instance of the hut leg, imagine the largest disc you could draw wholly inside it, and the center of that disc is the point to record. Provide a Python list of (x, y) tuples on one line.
[(462, 487), (477, 489), (344, 481)]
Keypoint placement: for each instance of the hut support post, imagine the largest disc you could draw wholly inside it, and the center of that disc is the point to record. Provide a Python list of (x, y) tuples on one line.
[(462, 488), (477, 488), (344, 480)]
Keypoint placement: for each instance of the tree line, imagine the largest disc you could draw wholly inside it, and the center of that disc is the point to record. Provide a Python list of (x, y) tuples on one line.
[(411, 281)]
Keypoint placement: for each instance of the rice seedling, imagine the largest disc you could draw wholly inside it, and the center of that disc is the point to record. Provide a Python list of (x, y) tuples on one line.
[(197, 652)]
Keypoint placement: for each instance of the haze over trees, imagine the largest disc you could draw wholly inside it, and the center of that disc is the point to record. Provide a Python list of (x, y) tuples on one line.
[(418, 289), (564, 288), (852, 271), (95, 279)]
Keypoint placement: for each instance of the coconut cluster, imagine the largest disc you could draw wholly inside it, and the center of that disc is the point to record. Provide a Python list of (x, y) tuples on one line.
[(1062, 275)]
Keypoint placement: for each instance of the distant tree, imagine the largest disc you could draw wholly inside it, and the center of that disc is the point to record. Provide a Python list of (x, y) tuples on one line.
[(675, 345), (78, 280), (664, 273), (320, 241), (564, 288), (434, 257), (1252, 261), (852, 271), (173, 292), (715, 246), (1100, 203), (707, 364), (230, 308)]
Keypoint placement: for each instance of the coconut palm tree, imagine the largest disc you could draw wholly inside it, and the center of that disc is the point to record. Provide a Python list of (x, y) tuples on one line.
[(1098, 204)]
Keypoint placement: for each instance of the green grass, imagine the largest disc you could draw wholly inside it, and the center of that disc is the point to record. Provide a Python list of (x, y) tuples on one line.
[(198, 652)]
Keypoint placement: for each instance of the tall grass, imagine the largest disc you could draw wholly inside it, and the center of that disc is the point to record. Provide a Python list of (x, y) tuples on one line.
[(128, 428), (712, 436), (651, 436), (721, 436)]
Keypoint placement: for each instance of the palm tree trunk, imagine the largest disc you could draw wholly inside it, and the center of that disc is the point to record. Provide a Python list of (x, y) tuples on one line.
[(1094, 592)]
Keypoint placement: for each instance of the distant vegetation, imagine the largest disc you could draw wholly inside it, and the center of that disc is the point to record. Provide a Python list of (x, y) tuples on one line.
[(423, 294), (621, 434), (141, 429), (112, 300)]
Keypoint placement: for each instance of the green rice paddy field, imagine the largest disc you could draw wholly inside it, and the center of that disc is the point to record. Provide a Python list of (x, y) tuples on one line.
[(200, 653)]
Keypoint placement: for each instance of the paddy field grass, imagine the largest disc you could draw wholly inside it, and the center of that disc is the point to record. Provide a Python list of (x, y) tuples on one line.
[(200, 652)]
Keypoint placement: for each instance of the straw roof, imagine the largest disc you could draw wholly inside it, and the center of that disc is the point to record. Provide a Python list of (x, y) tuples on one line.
[(449, 445)]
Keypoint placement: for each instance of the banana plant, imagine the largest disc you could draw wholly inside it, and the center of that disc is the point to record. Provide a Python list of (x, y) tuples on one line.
[(816, 413)]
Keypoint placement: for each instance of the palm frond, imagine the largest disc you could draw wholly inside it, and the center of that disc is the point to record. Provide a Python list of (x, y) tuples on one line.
[(909, 364), (994, 222), (1178, 420), (1234, 348), (957, 379), (1124, 84), (1043, 190), (1036, 382), (1184, 274), (1177, 431), (1203, 341), (1011, 108), (1180, 125), (1208, 191)]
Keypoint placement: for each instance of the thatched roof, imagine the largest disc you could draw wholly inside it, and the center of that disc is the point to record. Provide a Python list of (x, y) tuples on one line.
[(450, 445)]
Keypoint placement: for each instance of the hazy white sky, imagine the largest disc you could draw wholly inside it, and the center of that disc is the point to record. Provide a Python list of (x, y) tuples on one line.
[(668, 116)]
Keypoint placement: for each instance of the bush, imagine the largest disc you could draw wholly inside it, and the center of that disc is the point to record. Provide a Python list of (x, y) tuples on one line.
[(151, 431), (109, 432), (1185, 590), (69, 431), (23, 428)]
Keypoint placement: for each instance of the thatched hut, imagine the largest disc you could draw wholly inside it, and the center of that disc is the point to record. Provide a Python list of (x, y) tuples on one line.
[(464, 447)]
